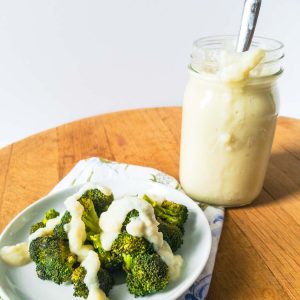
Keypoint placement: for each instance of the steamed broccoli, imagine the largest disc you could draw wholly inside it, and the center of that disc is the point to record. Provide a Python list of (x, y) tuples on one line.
[(146, 273), (91, 221), (100, 200), (170, 212), (36, 226), (123, 244), (89, 216), (81, 290), (59, 230), (171, 233), (132, 245), (53, 258), (50, 214), (108, 259)]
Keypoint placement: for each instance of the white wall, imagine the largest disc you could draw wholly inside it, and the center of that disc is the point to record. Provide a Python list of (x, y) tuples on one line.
[(64, 60)]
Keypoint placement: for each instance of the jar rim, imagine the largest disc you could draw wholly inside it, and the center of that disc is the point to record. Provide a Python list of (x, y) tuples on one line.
[(206, 40), (207, 51)]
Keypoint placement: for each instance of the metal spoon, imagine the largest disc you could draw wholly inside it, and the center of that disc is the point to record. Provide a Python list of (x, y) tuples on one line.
[(248, 23)]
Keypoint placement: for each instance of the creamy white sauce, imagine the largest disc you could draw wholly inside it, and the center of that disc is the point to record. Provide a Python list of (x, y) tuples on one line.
[(136, 227), (76, 229), (77, 236), (227, 131), (174, 262), (17, 255), (92, 265), (105, 190), (236, 67), (145, 225)]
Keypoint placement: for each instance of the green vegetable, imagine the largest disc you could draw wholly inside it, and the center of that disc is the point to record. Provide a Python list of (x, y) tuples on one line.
[(170, 212), (36, 226), (132, 245), (59, 230), (171, 233), (53, 258), (146, 274), (108, 259), (100, 200), (89, 216), (81, 290), (50, 214)]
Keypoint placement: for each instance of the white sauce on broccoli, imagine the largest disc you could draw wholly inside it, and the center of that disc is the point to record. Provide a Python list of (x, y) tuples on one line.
[(92, 266), (174, 262), (77, 235), (145, 225), (17, 255), (47, 230), (105, 190)]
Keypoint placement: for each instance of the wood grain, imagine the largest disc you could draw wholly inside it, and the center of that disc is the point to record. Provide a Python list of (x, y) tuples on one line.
[(259, 252)]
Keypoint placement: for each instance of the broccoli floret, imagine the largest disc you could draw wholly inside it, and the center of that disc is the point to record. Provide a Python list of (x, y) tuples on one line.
[(132, 214), (132, 245), (50, 214), (36, 226), (169, 211), (123, 244), (53, 258), (59, 230), (106, 280), (146, 274), (89, 216), (108, 259), (171, 233), (100, 200), (94, 202), (81, 290)]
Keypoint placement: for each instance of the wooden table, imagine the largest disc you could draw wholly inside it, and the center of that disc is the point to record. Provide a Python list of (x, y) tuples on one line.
[(259, 252)]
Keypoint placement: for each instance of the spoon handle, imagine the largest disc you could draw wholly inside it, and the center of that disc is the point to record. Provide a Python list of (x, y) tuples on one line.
[(248, 23)]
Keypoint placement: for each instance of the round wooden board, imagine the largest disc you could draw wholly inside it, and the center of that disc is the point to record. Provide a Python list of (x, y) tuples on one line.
[(259, 252)]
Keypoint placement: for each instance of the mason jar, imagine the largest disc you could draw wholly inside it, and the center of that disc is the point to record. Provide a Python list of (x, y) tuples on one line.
[(228, 126)]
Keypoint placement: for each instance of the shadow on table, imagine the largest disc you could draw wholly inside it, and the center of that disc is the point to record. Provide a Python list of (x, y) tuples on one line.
[(282, 180)]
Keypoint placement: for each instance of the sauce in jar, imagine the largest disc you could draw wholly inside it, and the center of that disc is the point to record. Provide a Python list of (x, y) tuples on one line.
[(229, 118)]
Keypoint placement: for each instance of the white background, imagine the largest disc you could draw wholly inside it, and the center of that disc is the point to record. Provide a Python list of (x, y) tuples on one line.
[(61, 60)]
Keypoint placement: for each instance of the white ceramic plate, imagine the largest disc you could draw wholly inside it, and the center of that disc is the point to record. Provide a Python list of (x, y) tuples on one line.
[(22, 283)]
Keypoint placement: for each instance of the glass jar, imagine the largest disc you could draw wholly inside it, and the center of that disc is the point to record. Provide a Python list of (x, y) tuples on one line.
[(228, 125)]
